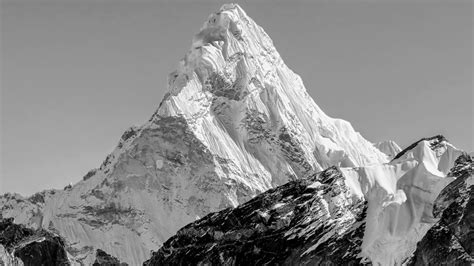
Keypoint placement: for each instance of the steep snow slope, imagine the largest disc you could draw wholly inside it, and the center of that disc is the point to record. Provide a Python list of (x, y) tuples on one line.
[(373, 214), (389, 147), (400, 198), (235, 122)]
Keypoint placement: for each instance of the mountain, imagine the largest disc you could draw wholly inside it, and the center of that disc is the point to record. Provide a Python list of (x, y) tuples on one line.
[(235, 122), (373, 214), (389, 148)]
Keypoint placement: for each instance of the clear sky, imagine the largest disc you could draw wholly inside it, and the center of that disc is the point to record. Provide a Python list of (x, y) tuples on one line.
[(77, 73)]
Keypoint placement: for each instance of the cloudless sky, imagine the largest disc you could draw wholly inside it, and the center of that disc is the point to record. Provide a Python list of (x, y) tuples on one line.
[(76, 73)]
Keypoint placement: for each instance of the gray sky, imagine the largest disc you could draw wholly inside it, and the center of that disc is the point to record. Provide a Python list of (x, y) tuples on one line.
[(76, 74)]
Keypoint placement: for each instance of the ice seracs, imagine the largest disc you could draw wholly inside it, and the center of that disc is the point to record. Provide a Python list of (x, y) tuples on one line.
[(400, 198)]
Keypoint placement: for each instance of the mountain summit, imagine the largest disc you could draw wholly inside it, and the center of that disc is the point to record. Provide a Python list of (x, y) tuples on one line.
[(236, 121)]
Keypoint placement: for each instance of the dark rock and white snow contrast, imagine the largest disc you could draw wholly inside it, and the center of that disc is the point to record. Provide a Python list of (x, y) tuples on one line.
[(239, 166)]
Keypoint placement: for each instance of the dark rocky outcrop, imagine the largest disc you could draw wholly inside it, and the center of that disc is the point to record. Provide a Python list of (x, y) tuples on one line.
[(104, 259), (33, 247), (451, 240), (306, 221)]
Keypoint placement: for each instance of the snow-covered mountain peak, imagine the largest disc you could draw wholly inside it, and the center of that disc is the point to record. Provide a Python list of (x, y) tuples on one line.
[(234, 75), (236, 121)]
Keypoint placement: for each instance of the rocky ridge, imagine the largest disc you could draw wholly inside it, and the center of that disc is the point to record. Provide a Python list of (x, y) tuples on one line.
[(306, 221)]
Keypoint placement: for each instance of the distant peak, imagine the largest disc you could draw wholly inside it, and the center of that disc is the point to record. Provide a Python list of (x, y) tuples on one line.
[(389, 147)]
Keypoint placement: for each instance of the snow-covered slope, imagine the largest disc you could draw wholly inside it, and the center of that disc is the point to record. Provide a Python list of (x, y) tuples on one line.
[(373, 214), (235, 122), (389, 147)]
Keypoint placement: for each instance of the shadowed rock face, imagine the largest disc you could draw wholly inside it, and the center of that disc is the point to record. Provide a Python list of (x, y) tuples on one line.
[(451, 240), (308, 221), (104, 259), (33, 247)]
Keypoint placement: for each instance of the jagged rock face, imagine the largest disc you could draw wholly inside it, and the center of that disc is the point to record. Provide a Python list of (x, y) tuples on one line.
[(235, 122), (373, 214), (306, 221), (104, 259), (23, 246), (451, 240), (389, 148)]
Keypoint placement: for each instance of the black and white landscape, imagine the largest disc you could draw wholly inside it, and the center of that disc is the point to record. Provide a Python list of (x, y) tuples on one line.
[(240, 166)]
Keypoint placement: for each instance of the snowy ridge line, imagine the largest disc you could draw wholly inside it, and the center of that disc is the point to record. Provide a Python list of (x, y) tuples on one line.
[(438, 138)]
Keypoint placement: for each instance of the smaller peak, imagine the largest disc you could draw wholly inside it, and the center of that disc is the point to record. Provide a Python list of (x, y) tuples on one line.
[(434, 141), (388, 147)]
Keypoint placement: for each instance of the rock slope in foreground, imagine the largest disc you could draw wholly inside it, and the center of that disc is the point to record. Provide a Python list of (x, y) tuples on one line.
[(236, 121), (374, 214), (313, 220)]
